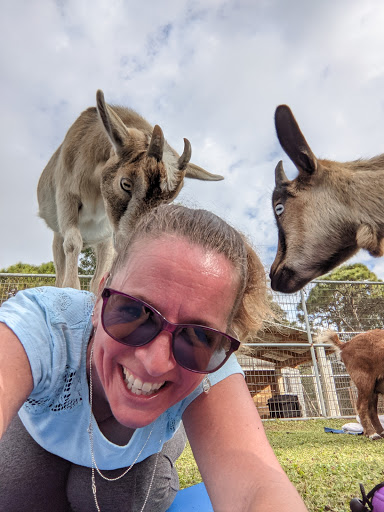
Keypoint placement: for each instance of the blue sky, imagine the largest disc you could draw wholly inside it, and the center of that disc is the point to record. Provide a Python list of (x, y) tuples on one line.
[(212, 71)]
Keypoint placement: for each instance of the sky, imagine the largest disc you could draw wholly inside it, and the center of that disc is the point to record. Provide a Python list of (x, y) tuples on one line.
[(212, 71)]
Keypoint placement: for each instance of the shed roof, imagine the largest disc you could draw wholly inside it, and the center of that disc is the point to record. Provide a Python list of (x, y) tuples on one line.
[(281, 335)]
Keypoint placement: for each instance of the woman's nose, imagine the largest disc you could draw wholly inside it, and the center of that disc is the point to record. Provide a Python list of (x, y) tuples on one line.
[(156, 356)]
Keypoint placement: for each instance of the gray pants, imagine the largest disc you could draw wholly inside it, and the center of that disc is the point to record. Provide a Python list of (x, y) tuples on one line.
[(34, 480)]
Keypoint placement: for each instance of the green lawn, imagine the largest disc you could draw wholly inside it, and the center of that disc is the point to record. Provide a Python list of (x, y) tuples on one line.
[(325, 468)]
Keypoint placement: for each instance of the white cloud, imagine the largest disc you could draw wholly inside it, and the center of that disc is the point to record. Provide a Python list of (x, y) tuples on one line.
[(210, 71)]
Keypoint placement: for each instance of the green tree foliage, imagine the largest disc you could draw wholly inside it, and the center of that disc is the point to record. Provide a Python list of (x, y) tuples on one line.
[(10, 285), (26, 268), (344, 306), (87, 263), (280, 315)]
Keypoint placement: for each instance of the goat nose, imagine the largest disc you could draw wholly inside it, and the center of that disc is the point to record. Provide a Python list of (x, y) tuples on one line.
[(285, 280)]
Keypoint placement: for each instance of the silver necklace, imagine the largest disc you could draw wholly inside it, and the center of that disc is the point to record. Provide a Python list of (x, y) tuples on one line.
[(94, 465)]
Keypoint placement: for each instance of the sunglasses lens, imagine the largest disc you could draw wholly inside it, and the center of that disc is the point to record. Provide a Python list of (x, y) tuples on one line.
[(134, 323), (201, 350), (129, 321)]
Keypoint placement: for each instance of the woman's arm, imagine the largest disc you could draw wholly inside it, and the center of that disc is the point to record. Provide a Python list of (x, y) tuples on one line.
[(235, 459), (16, 382)]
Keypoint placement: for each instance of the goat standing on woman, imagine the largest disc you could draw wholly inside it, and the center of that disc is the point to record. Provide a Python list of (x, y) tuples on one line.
[(363, 357), (112, 166), (326, 214)]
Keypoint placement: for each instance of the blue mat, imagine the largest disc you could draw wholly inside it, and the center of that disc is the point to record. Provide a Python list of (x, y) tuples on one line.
[(329, 430), (191, 499)]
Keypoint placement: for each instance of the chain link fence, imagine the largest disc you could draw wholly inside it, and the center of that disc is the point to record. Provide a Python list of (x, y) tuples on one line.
[(288, 374)]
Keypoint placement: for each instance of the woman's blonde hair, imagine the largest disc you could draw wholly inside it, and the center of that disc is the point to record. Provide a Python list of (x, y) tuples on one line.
[(210, 232)]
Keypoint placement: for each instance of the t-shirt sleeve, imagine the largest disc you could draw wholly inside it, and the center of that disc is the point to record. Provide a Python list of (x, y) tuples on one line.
[(229, 368), (49, 322), (25, 316)]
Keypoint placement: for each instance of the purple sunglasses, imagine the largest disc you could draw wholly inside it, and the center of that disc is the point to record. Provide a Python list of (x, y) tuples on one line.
[(135, 323)]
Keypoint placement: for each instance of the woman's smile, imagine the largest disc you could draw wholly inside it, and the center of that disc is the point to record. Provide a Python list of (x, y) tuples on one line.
[(137, 386), (186, 285)]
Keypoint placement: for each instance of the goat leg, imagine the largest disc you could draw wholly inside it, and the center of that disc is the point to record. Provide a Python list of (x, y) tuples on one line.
[(372, 411), (58, 258), (363, 407), (104, 257)]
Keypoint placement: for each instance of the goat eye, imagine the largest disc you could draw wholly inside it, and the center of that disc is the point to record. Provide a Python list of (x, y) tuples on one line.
[(279, 208), (126, 184)]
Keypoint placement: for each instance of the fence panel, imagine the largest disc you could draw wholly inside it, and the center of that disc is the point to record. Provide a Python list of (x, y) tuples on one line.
[(293, 390), (10, 284)]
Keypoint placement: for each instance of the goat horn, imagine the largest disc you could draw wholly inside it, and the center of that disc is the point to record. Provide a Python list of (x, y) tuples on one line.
[(156, 146), (280, 176), (186, 156)]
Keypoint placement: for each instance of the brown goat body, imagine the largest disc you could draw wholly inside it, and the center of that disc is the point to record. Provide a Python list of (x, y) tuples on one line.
[(324, 215), (363, 357)]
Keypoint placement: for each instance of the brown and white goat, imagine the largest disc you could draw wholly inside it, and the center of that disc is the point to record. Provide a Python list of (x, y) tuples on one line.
[(326, 214), (111, 165), (363, 357)]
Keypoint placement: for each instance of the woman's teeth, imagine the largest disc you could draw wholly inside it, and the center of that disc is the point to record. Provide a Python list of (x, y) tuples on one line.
[(137, 386)]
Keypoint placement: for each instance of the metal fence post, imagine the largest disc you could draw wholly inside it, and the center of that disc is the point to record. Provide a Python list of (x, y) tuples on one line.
[(313, 356)]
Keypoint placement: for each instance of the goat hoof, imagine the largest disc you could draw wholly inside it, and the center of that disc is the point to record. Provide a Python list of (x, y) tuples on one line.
[(375, 437)]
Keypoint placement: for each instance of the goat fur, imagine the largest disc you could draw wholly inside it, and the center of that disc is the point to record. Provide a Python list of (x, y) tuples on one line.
[(324, 215), (363, 357), (111, 167)]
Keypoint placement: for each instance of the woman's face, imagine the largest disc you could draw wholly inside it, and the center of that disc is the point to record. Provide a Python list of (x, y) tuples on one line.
[(186, 284)]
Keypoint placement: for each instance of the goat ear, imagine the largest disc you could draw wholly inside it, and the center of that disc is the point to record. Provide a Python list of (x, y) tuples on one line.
[(293, 141), (198, 173), (280, 176), (156, 146), (114, 126)]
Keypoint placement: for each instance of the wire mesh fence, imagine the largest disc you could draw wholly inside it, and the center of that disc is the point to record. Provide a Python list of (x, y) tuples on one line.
[(288, 373), (10, 284)]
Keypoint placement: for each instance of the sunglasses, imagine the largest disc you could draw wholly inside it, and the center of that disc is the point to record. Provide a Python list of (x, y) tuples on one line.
[(135, 323)]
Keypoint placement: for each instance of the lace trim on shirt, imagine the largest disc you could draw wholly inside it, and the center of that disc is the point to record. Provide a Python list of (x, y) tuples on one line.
[(63, 301), (66, 397)]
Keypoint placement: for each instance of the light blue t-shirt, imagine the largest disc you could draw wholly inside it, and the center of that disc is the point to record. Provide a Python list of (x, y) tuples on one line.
[(54, 326)]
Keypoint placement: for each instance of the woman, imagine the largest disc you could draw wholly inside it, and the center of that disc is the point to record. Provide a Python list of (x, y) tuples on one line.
[(105, 385)]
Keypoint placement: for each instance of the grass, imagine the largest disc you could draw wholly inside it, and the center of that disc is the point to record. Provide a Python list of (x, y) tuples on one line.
[(326, 469)]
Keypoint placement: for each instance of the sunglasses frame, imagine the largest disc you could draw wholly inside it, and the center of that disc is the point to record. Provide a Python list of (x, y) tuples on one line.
[(168, 327)]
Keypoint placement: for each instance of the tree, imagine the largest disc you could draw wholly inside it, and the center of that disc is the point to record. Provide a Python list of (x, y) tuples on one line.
[(10, 285), (280, 315), (27, 268), (345, 306), (87, 263)]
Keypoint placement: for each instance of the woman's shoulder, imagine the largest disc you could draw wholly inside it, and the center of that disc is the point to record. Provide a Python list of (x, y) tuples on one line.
[(231, 367), (58, 304)]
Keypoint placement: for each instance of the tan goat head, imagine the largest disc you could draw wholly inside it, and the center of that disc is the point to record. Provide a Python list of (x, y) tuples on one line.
[(326, 214), (111, 164)]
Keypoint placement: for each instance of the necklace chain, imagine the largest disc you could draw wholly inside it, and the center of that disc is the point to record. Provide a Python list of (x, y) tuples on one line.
[(95, 466)]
